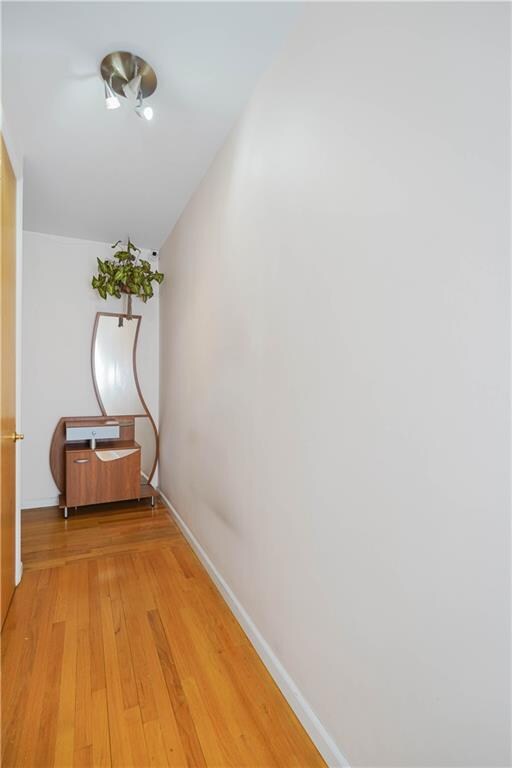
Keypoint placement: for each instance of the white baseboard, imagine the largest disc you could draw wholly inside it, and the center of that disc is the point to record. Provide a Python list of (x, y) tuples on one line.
[(319, 735), (49, 501)]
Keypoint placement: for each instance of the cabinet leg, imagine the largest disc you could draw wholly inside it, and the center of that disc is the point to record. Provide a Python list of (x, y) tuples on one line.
[(65, 513), (152, 501)]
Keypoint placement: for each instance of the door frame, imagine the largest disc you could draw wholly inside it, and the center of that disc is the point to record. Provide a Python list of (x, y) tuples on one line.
[(17, 165)]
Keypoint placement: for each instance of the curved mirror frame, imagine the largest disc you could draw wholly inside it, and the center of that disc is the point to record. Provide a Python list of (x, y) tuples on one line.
[(145, 437), (116, 384)]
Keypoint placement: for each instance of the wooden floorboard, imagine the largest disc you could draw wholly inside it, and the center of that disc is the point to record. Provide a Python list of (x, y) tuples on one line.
[(118, 651)]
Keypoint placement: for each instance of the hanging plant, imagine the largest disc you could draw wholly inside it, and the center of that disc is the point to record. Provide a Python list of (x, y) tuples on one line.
[(126, 273)]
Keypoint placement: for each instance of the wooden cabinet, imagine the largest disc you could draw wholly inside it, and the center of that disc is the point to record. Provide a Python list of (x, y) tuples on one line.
[(96, 459), (107, 473)]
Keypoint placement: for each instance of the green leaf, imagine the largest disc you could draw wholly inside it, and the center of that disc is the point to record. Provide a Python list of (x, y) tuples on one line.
[(132, 247), (126, 272)]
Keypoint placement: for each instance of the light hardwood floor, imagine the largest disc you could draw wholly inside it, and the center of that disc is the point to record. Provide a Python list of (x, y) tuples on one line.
[(119, 651)]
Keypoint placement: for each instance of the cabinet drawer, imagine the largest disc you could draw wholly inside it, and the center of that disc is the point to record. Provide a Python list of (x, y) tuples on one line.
[(90, 480)]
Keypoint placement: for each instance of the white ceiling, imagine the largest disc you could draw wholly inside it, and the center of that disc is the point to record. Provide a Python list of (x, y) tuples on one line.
[(99, 175)]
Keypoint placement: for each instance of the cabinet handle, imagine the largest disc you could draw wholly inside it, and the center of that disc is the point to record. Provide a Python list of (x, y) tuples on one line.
[(81, 461)]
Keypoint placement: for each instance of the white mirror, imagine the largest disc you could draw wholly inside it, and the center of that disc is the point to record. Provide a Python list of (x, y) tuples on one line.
[(113, 365), (114, 348)]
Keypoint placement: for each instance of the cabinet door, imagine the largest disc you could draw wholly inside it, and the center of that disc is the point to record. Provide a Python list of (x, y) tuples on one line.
[(89, 480), (81, 479), (118, 478)]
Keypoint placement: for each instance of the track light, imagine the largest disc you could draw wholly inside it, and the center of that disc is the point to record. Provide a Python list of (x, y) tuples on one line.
[(141, 110), (129, 76), (146, 113), (111, 100)]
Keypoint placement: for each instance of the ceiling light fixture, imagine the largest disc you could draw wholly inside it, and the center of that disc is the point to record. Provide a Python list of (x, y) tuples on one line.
[(130, 77)]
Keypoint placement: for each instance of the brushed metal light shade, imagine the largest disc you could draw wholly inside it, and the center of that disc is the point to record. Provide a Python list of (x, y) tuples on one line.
[(119, 68)]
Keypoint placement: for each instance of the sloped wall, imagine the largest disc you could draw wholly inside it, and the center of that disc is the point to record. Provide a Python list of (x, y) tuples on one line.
[(335, 388)]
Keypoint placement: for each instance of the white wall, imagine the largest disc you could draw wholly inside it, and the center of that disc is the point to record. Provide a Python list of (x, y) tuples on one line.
[(59, 309), (335, 374)]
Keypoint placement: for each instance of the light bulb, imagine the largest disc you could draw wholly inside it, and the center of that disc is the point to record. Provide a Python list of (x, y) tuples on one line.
[(148, 113), (112, 102)]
